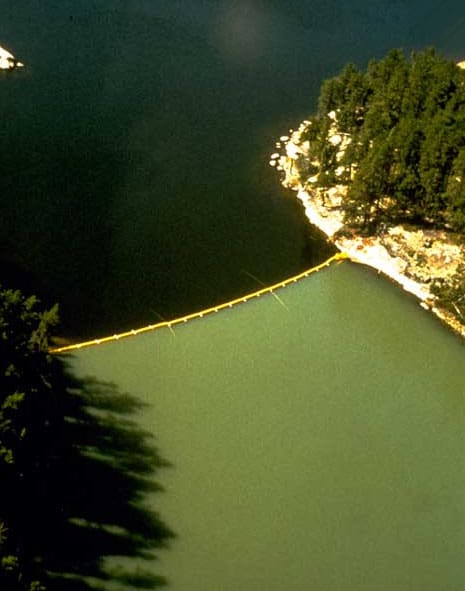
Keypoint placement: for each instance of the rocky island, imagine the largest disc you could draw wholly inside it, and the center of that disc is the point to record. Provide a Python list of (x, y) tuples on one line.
[(380, 169), (8, 60)]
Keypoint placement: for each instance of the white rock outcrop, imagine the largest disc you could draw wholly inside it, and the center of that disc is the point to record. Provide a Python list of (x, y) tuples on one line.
[(8, 60), (412, 258)]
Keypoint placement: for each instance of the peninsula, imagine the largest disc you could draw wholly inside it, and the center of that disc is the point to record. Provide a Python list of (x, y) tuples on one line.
[(380, 169)]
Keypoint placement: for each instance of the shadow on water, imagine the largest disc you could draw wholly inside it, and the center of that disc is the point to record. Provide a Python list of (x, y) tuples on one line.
[(92, 471), (316, 247)]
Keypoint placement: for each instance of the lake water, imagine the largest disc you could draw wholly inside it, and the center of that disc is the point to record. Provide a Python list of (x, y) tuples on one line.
[(318, 446), (134, 177)]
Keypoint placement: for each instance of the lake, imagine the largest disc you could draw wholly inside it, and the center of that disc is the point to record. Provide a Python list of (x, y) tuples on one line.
[(135, 145), (315, 445)]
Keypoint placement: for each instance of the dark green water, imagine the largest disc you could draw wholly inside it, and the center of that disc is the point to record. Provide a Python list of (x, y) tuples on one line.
[(134, 171), (315, 447)]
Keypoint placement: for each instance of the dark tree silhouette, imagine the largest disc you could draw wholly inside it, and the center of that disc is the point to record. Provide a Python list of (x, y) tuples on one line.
[(75, 469)]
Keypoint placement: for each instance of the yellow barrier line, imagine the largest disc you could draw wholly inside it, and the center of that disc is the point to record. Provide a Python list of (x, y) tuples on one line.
[(170, 323)]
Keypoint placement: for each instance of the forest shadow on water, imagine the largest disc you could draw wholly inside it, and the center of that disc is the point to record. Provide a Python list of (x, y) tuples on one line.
[(90, 527)]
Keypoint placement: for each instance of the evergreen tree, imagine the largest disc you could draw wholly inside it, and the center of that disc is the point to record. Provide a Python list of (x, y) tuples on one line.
[(364, 203), (73, 468), (406, 121), (436, 158), (25, 393), (456, 193)]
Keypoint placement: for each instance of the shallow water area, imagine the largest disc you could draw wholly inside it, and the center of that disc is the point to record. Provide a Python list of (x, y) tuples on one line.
[(305, 456)]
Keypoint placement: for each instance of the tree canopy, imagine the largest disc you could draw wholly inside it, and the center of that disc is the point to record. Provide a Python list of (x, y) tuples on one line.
[(406, 120)]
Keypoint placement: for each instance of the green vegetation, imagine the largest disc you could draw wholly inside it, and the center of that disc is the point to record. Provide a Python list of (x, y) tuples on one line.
[(451, 294), (405, 159), (74, 468)]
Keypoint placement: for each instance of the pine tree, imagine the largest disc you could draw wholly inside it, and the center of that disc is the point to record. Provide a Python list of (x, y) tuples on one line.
[(406, 121), (456, 193), (25, 393), (74, 469)]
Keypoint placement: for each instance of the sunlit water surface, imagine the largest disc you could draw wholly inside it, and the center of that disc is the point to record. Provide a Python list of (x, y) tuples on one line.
[(315, 445)]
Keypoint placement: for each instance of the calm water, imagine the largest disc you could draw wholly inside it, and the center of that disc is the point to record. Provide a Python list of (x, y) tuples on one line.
[(315, 447), (134, 173)]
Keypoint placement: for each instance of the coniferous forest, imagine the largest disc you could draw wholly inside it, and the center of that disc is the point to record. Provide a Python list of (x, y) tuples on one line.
[(405, 161)]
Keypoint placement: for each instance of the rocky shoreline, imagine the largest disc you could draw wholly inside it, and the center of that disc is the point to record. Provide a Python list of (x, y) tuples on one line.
[(413, 257)]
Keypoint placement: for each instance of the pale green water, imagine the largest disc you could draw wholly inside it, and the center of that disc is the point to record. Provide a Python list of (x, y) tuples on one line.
[(316, 448)]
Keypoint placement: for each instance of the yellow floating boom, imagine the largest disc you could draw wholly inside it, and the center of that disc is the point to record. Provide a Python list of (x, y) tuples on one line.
[(170, 323)]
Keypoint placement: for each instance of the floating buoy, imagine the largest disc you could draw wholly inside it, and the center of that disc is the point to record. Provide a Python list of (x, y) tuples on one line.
[(201, 314)]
